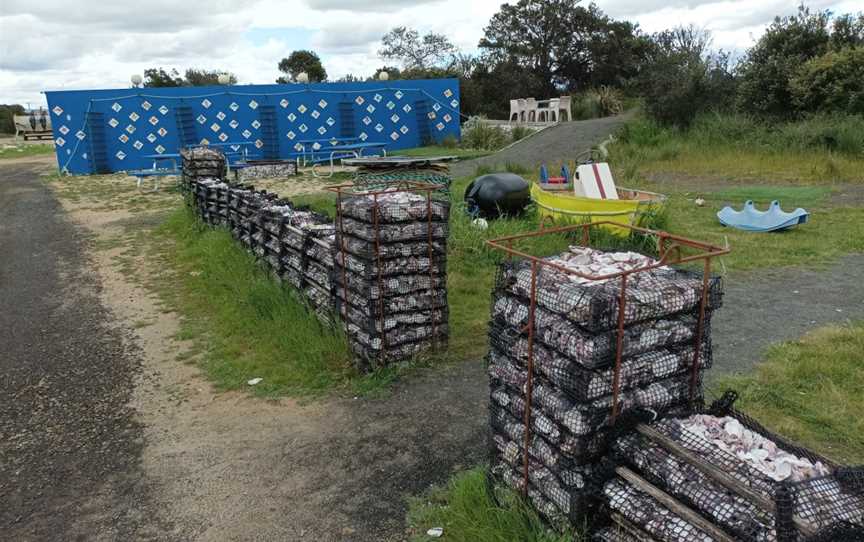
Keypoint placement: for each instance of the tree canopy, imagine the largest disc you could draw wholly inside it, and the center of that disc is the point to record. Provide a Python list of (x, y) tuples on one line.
[(299, 62), (414, 51), (193, 77)]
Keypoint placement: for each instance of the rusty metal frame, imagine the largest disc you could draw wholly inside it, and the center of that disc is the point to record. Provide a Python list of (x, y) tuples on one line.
[(669, 247), (351, 190)]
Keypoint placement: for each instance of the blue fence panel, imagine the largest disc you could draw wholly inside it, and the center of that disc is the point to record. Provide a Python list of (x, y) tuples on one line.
[(100, 131)]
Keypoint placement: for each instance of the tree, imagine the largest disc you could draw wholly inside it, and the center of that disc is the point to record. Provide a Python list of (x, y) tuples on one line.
[(683, 77), (202, 78), (847, 31), (563, 44), (194, 77), (158, 77), (833, 82), (770, 64), (414, 51), (7, 112), (302, 61)]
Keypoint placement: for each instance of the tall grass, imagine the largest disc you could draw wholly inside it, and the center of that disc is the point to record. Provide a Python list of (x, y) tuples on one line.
[(252, 326), (468, 513), (479, 134)]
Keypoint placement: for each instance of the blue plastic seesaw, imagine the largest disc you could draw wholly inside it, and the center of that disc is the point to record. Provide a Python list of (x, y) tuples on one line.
[(752, 219)]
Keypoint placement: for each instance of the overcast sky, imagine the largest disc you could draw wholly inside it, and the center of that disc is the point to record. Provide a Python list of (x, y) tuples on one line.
[(72, 44)]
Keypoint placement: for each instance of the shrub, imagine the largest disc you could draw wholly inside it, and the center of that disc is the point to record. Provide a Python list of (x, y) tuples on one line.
[(833, 82), (479, 134), (450, 142), (595, 103), (520, 132)]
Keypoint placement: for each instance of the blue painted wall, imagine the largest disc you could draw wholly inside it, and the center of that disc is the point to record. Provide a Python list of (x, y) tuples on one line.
[(98, 131)]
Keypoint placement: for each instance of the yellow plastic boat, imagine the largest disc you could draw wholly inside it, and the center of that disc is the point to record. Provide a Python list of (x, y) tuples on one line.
[(631, 208)]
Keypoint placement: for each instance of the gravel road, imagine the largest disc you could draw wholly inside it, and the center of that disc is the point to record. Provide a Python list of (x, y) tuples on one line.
[(66, 433)]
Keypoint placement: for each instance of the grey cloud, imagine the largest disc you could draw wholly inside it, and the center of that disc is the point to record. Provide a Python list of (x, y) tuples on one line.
[(347, 38), (365, 5), (623, 8)]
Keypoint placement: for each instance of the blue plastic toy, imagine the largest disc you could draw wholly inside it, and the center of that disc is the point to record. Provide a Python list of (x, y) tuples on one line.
[(752, 219)]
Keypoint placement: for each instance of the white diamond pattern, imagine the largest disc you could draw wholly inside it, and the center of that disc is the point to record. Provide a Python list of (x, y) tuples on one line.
[(160, 149), (407, 108), (291, 135), (233, 106), (201, 119), (60, 141), (436, 106), (80, 135), (246, 133), (63, 130), (448, 93), (206, 103), (133, 116), (315, 114), (220, 115), (431, 115), (394, 118), (447, 117), (154, 121), (234, 124), (256, 124), (137, 145), (222, 137), (162, 131), (331, 121), (379, 128), (404, 129), (116, 107), (292, 117), (145, 105), (151, 138), (303, 128), (253, 105), (123, 138), (394, 136), (359, 100), (284, 103), (205, 141), (120, 155), (367, 121), (398, 94), (259, 143), (440, 126), (370, 109), (113, 123), (454, 104), (130, 129), (390, 104), (163, 110), (322, 104), (378, 98), (58, 111), (215, 127), (301, 108), (322, 130), (363, 136)]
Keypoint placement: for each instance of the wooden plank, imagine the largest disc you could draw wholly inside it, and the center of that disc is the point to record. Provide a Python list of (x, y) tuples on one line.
[(672, 504), (721, 477)]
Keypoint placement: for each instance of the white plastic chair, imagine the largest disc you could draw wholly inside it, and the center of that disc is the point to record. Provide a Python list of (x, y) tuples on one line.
[(552, 111), (530, 108), (515, 110), (563, 106)]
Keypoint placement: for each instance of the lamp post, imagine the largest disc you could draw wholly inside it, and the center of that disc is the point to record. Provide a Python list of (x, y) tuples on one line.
[(136, 80), (383, 76), (303, 77), (224, 79)]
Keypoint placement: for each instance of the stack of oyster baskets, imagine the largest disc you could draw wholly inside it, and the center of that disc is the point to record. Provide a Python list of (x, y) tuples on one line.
[(555, 337), (393, 244), (389, 275)]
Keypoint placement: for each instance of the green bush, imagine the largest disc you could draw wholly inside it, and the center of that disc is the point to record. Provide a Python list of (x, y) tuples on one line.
[(833, 82), (450, 142), (518, 132), (596, 103), (479, 134)]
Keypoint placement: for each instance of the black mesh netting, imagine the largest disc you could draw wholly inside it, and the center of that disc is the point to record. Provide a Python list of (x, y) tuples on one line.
[(388, 286), (618, 533), (394, 232), (400, 265), (593, 305), (593, 349), (648, 514), (421, 300), (822, 498), (396, 207), (508, 346), (366, 248)]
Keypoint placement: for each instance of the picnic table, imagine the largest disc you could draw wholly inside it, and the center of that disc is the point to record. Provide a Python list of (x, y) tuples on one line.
[(347, 146), (156, 171)]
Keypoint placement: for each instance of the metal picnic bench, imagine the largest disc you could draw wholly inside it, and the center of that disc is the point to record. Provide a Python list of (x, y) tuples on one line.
[(347, 147), (156, 171)]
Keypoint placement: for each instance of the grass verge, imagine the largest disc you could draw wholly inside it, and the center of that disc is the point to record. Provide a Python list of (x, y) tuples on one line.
[(249, 325), (437, 150), (20, 151), (467, 513), (810, 391)]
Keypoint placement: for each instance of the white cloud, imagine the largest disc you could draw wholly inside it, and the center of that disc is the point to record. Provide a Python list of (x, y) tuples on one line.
[(54, 44)]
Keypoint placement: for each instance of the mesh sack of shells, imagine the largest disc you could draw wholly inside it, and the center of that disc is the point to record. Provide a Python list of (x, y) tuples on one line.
[(317, 297), (650, 515), (298, 236), (294, 259), (570, 476), (803, 484), (558, 503), (592, 349), (594, 304), (397, 206), (557, 415), (367, 358), (390, 321), (581, 384), (292, 277), (393, 285), (272, 260), (396, 335), (272, 243), (391, 233), (688, 484), (319, 274), (321, 249), (501, 473), (422, 300), (222, 194), (365, 249), (269, 171), (406, 265)]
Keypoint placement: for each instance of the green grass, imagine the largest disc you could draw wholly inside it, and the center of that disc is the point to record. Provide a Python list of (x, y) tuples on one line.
[(433, 150), (735, 149), (811, 391), (23, 149), (467, 513), (250, 325)]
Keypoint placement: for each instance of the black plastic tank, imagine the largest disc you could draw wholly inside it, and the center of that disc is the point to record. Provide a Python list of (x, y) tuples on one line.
[(497, 194)]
